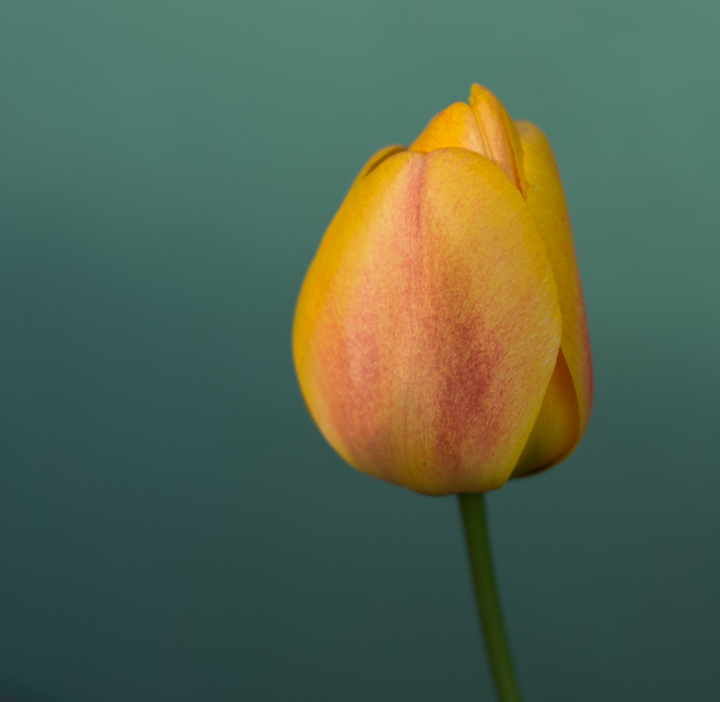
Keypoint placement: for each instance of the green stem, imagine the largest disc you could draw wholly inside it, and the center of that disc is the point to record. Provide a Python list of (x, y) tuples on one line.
[(474, 518)]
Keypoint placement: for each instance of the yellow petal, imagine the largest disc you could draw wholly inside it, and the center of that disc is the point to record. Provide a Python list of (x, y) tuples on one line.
[(555, 433), (428, 326), (546, 200), (484, 126), (500, 138), (455, 126), (377, 159)]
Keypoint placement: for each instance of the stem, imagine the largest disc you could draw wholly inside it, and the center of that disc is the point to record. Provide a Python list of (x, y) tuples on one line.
[(474, 519)]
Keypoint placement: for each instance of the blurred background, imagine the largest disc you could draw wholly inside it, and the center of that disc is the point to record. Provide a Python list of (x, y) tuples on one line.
[(172, 525)]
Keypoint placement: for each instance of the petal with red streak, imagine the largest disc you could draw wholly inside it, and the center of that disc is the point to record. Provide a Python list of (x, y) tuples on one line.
[(428, 325)]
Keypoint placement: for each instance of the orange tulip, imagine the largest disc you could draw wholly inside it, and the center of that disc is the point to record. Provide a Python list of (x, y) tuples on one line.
[(440, 337)]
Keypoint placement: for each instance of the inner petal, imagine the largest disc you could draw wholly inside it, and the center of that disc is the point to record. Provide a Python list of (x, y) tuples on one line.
[(483, 126), (556, 429)]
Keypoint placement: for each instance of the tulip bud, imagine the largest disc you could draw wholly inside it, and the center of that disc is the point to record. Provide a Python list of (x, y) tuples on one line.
[(440, 337)]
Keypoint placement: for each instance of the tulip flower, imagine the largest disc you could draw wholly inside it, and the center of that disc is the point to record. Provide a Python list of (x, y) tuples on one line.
[(440, 337)]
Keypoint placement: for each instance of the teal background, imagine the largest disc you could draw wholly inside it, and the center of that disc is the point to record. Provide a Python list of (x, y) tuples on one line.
[(172, 525)]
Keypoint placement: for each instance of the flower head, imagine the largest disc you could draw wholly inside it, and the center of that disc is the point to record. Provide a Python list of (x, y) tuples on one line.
[(440, 336)]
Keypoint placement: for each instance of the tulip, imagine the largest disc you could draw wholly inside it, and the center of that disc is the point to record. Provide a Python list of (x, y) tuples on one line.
[(440, 336)]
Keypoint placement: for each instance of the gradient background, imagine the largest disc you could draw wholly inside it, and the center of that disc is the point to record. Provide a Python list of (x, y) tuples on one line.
[(172, 525)]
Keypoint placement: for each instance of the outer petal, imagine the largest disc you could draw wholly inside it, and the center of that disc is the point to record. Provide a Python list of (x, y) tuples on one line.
[(546, 200), (428, 326)]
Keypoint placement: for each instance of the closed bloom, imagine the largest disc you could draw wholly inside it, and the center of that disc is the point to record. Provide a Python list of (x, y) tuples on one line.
[(440, 336)]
